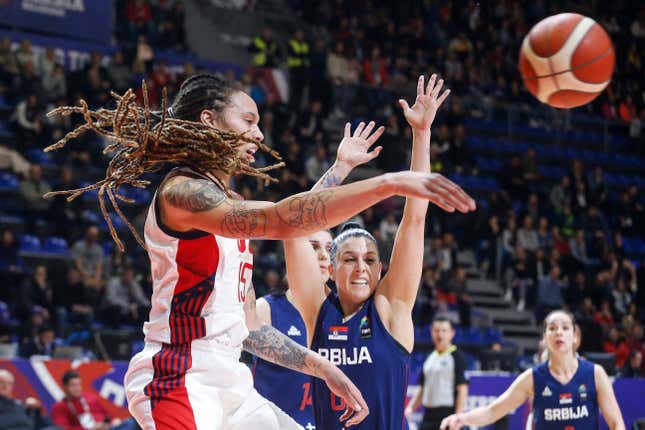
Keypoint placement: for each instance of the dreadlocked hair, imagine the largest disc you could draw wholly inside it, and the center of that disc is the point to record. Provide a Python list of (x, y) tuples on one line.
[(145, 141)]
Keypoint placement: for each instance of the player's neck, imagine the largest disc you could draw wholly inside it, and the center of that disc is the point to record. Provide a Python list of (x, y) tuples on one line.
[(563, 364)]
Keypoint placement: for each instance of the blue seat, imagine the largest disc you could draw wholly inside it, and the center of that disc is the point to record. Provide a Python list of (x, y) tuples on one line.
[(8, 182), (55, 245), (29, 243)]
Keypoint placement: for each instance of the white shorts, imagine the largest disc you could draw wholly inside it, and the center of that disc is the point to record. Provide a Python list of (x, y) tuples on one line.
[(197, 387)]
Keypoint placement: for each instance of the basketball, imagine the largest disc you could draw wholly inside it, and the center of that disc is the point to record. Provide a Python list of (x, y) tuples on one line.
[(566, 60)]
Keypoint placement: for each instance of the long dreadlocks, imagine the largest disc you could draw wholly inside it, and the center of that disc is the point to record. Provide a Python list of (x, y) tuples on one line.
[(145, 141)]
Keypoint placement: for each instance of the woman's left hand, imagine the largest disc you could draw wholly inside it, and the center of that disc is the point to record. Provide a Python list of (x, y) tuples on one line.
[(354, 149), (421, 115)]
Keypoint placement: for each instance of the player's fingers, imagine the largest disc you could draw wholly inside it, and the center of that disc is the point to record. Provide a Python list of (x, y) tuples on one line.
[(348, 413), (458, 194), (357, 417), (443, 97), (348, 130), (366, 132), (404, 105), (436, 89), (375, 153), (420, 85), (375, 136), (431, 82), (359, 129)]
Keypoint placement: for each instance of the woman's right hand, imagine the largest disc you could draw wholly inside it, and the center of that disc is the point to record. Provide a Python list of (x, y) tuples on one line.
[(433, 187)]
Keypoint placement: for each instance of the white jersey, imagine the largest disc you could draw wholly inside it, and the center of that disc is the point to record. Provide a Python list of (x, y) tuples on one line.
[(199, 285)]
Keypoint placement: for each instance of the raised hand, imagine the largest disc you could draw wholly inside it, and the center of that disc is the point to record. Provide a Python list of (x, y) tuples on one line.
[(421, 115), (354, 149)]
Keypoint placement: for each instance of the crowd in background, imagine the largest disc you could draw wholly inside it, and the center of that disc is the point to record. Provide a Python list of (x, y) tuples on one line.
[(550, 244)]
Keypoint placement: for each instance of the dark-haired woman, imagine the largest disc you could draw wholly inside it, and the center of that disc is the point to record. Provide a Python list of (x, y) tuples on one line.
[(197, 236), (365, 327), (288, 389), (566, 391)]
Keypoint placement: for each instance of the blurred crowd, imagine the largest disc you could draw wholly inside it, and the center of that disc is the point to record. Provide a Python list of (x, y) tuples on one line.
[(549, 244)]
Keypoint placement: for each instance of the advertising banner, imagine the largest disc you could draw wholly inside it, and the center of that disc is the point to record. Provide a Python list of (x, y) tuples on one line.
[(42, 379), (79, 19)]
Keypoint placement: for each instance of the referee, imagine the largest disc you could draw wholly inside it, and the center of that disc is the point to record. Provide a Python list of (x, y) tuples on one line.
[(443, 385)]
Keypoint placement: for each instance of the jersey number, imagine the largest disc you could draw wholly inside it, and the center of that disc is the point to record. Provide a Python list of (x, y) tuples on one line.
[(337, 403), (306, 396), (242, 280)]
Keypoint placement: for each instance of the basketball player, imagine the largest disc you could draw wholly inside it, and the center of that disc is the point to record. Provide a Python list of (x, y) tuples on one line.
[(288, 389), (203, 307), (566, 391), (366, 327)]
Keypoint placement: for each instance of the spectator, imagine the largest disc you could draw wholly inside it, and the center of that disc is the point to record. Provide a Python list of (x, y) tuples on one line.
[(375, 69), (615, 344), (36, 291), (519, 280), (77, 302), (25, 54), (54, 83), (8, 62), (10, 264), (119, 73), (20, 415), (27, 120), (88, 257), (47, 62), (42, 345), (550, 293), (31, 193), (79, 410), (561, 195), (527, 236), (634, 366), (317, 164), (124, 300)]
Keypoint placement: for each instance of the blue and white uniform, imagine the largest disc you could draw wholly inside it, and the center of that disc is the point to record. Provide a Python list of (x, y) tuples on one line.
[(288, 389), (571, 406), (371, 358)]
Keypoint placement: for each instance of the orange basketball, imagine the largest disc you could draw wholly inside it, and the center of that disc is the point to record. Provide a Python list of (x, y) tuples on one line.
[(566, 60)]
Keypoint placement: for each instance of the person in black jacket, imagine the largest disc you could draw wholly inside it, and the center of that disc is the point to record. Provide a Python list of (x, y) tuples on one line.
[(17, 415)]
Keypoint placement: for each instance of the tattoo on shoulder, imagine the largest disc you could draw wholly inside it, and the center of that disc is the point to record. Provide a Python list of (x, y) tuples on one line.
[(242, 222), (307, 212), (194, 195), (271, 345)]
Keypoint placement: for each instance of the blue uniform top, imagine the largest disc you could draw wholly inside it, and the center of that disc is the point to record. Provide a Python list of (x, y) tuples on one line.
[(572, 406), (370, 357), (288, 389)]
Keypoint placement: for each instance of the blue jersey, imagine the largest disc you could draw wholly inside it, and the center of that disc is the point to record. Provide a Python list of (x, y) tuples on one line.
[(288, 389), (573, 406), (370, 357)]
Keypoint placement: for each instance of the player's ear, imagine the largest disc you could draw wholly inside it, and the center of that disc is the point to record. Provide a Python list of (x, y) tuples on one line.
[(209, 118)]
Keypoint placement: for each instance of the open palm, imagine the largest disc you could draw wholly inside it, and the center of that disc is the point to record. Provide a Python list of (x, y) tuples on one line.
[(421, 115), (355, 149)]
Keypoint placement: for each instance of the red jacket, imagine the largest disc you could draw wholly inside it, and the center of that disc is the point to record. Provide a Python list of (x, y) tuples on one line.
[(67, 419)]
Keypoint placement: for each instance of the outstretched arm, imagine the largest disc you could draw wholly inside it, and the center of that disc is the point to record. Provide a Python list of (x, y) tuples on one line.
[(518, 393), (400, 284), (301, 260), (268, 343), (199, 204)]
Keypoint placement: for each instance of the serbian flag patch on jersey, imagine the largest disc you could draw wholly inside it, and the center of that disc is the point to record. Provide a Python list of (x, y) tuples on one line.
[(566, 398), (337, 332)]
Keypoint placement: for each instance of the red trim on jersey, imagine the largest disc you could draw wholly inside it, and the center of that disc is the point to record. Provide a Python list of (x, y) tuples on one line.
[(196, 260)]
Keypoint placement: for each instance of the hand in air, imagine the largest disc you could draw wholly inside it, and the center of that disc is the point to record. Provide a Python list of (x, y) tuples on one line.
[(342, 387), (421, 115), (355, 149)]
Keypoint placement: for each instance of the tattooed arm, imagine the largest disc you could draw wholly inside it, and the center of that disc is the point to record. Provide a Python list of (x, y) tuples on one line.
[(268, 343), (308, 292), (198, 204)]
